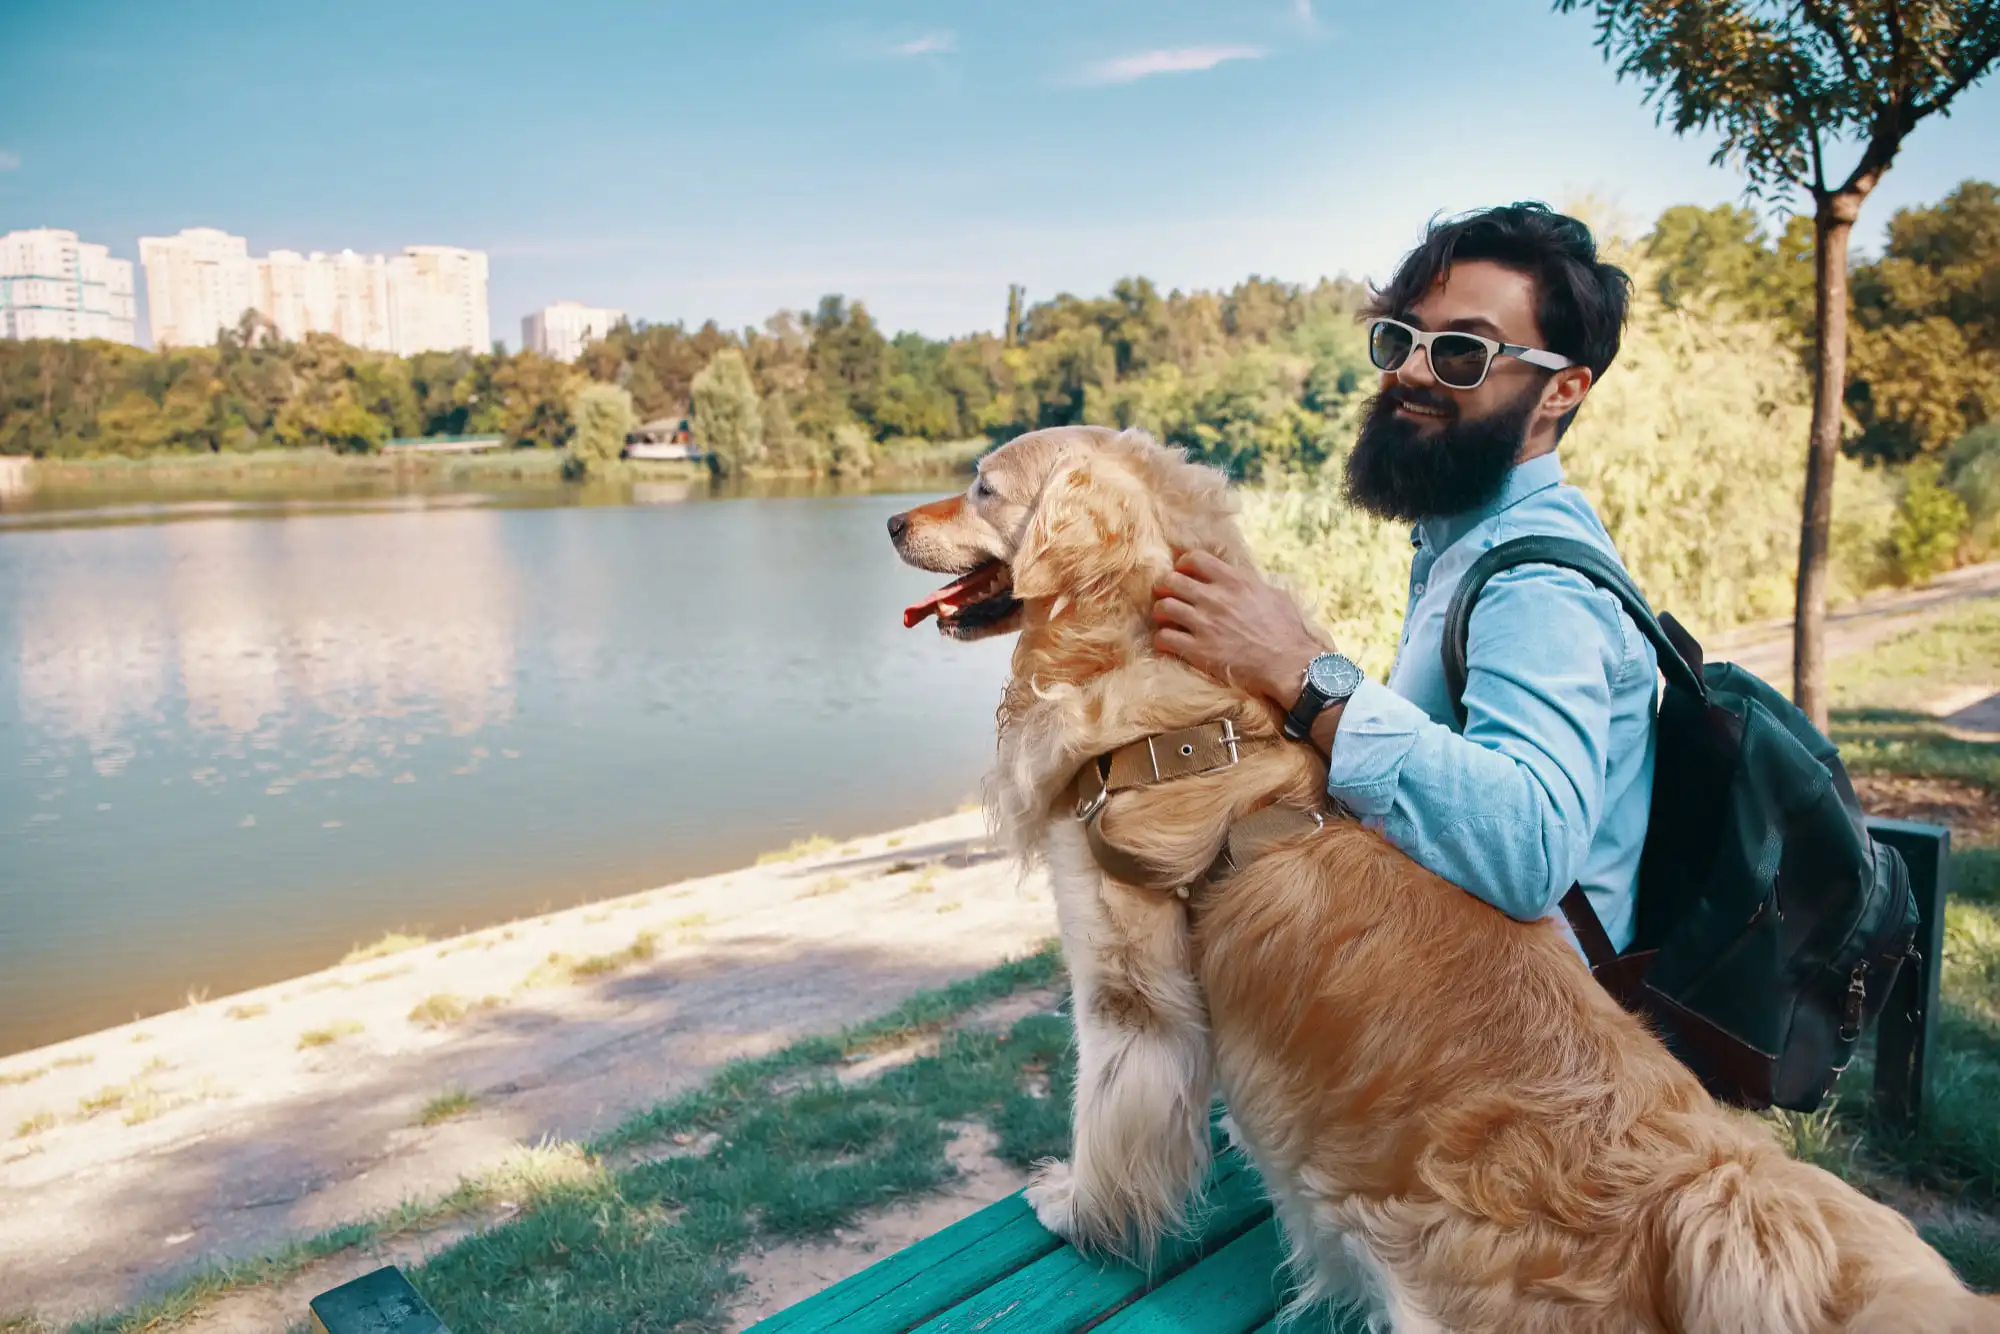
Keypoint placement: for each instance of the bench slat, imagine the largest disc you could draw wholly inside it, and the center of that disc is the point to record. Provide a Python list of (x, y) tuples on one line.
[(1064, 1291), (925, 1277), (1236, 1290)]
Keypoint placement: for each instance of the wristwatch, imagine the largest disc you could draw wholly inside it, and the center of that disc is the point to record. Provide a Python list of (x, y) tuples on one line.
[(1330, 679)]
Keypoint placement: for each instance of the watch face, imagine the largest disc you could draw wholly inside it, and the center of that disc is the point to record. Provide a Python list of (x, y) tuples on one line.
[(1333, 675)]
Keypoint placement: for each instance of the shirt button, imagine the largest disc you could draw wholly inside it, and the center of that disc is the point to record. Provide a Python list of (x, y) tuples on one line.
[(1420, 590)]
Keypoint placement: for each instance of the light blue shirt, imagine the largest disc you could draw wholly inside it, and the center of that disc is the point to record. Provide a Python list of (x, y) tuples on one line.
[(1551, 781)]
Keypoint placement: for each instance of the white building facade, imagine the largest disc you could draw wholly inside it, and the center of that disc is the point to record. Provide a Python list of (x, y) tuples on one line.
[(53, 285), (428, 299), (563, 330)]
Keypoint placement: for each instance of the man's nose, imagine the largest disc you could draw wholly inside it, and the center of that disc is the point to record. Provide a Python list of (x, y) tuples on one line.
[(1415, 372), (898, 524)]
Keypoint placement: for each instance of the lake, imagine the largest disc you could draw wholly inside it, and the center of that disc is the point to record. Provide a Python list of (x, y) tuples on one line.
[(238, 738)]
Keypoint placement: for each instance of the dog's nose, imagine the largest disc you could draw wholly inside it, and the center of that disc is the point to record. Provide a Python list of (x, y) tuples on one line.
[(898, 524)]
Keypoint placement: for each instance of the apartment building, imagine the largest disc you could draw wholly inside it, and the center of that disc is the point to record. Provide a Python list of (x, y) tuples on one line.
[(429, 298), (561, 331), (53, 285)]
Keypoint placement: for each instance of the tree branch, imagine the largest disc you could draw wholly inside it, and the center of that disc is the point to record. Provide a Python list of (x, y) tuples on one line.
[(1817, 15), (1978, 65)]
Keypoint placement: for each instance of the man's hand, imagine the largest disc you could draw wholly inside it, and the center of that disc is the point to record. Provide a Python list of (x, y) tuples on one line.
[(1234, 626)]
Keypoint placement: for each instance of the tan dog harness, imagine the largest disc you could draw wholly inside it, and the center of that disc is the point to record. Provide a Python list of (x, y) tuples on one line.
[(1161, 758)]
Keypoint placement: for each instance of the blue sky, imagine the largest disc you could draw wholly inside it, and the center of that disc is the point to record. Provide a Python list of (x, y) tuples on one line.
[(686, 161)]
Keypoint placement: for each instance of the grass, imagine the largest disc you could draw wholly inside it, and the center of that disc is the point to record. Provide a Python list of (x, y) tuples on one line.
[(250, 1011), (18, 1077), (332, 1033), (446, 1105), (606, 1239), (804, 847), (392, 942)]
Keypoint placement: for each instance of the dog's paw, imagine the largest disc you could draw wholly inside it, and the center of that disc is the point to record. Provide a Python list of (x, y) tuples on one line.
[(1051, 1193)]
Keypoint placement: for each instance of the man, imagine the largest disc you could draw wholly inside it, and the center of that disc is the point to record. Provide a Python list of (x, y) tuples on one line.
[(1549, 783)]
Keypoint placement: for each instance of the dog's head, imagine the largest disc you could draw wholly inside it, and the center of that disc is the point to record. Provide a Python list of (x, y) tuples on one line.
[(1076, 519)]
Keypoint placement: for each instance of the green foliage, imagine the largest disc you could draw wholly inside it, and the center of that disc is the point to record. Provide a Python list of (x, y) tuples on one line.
[(1722, 253), (1925, 364), (1972, 471), (1930, 520), (603, 416), (728, 420)]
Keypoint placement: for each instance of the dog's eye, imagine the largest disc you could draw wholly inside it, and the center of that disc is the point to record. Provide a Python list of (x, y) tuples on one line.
[(979, 488)]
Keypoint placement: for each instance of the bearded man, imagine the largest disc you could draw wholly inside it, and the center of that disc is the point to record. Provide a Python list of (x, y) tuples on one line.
[(1488, 338)]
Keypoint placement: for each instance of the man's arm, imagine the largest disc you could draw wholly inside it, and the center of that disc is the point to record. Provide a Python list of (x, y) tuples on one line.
[(1507, 810)]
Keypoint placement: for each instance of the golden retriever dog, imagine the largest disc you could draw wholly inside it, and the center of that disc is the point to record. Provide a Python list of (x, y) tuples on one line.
[(1458, 1126)]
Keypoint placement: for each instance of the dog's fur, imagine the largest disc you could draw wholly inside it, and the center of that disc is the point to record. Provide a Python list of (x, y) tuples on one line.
[(1457, 1124)]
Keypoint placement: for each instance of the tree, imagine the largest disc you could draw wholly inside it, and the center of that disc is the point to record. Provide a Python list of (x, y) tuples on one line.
[(728, 420), (603, 416), (1784, 83), (1926, 357)]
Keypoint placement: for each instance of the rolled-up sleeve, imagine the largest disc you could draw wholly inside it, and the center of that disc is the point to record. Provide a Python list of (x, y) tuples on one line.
[(1508, 809)]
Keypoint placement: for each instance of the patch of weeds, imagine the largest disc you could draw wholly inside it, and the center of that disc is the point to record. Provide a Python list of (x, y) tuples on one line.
[(593, 918), (17, 1077), (925, 883), (138, 1038), (250, 1011), (72, 1062), (851, 850), (439, 1009), (197, 996), (107, 1099), (804, 847), (895, 842), (392, 942), (35, 1125), (446, 1105), (561, 970), (387, 973), (147, 1104), (693, 919), (831, 884), (953, 906), (332, 1033)]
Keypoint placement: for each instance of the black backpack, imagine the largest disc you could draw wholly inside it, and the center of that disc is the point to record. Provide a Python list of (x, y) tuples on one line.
[(1770, 924)]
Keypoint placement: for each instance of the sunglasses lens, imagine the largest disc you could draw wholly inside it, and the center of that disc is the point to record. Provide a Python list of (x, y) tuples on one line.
[(1388, 345), (1457, 360)]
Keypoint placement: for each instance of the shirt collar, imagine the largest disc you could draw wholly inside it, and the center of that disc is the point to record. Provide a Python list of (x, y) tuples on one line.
[(1523, 480)]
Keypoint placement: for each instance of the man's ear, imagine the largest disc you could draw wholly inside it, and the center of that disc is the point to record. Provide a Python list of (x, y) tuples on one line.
[(1566, 391), (1092, 528)]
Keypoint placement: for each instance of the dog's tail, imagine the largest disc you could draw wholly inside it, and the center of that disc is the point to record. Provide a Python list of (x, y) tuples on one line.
[(1760, 1242), (1747, 1249)]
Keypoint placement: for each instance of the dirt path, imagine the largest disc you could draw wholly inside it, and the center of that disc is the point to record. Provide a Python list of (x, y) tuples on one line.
[(1766, 649), (201, 1135)]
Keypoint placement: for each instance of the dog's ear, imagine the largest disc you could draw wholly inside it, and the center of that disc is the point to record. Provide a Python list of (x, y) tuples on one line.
[(1093, 526)]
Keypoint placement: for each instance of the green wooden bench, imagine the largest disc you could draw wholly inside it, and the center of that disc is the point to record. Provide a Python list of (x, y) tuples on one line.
[(1000, 1270)]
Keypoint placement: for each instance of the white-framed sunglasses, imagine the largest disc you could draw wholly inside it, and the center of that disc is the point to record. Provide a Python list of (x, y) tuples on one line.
[(1459, 360)]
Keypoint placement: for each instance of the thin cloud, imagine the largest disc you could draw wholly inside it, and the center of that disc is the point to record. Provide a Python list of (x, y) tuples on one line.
[(930, 44), (9, 161), (1179, 60)]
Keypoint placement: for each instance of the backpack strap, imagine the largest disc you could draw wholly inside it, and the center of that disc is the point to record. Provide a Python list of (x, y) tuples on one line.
[(1570, 554)]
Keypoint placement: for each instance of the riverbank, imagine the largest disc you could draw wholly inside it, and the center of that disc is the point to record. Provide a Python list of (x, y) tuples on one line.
[(138, 1155)]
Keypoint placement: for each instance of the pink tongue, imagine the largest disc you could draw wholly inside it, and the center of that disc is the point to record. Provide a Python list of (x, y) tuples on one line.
[(918, 611)]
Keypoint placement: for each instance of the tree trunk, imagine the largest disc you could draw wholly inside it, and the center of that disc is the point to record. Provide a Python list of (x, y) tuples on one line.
[(1833, 224)]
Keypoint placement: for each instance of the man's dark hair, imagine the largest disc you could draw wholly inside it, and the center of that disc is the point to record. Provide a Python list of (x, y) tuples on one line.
[(1579, 299)]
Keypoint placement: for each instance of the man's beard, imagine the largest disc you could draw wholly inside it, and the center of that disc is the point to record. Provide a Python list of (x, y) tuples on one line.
[(1399, 469)]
